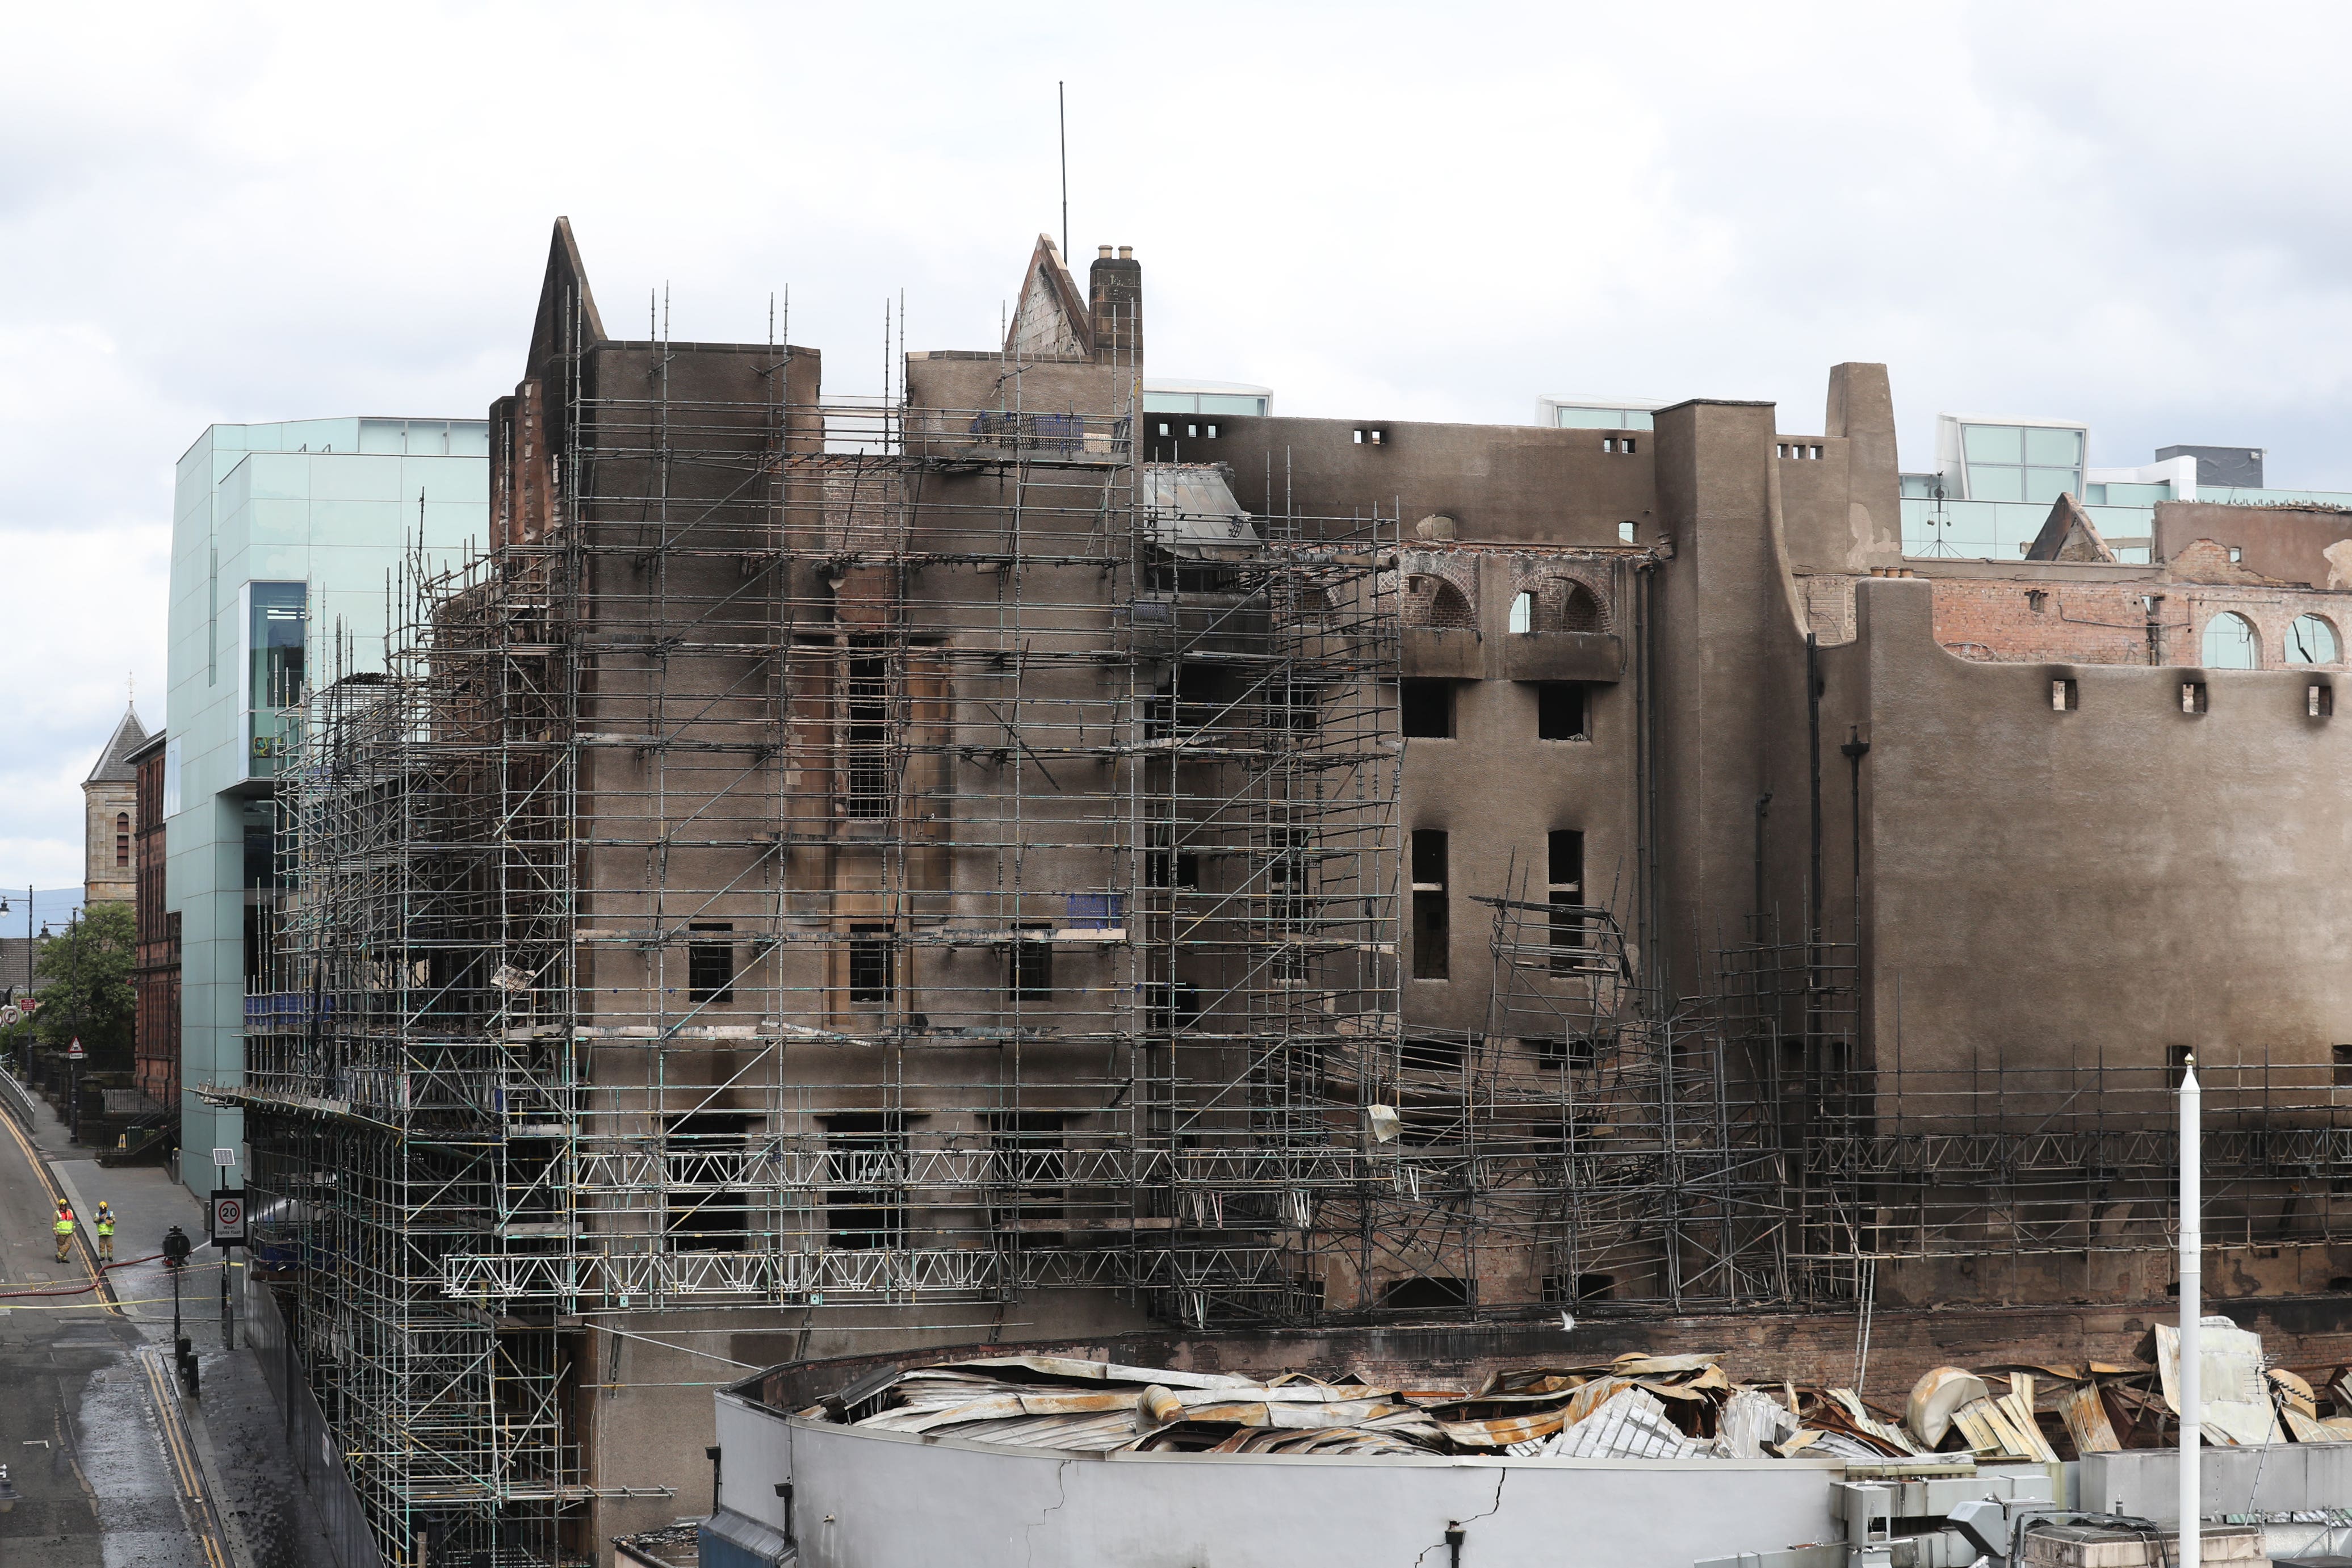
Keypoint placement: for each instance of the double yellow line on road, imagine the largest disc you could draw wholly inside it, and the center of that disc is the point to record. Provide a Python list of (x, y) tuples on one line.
[(182, 1452)]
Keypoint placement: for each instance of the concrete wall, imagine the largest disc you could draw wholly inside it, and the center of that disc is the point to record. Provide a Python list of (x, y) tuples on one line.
[(986, 1506)]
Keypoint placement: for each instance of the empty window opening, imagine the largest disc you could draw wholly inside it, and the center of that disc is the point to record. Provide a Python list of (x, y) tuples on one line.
[(1556, 603), (707, 1204), (1212, 432), (2192, 696), (867, 735), (1163, 427), (2176, 1061), (1564, 875), (870, 981), (1031, 976), (2320, 699), (121, 838), (1625, 534), (1028, 1149), (866, 1175), (1576, 1051), (2340, 1066), (2237, 553), (1174, 1006), (1427, 708), (2064, 696), (1432, 600), (1166, 868), (1617, 443), (2037, 600), (1192, 432), (2340, 1282), (710, 965), (1433, 1053), (1432, 922), (1367, 435), (1425, 1295), (2231, 643), (2311, 639), (1561, 710)]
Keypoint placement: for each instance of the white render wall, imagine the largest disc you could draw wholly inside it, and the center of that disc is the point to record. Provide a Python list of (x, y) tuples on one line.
[(884, 1500)]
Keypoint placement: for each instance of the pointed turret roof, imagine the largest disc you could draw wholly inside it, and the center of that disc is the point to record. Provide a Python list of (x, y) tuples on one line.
[(114, 763)]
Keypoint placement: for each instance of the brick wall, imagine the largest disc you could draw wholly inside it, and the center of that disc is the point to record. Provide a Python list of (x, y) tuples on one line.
[(2011, 621)]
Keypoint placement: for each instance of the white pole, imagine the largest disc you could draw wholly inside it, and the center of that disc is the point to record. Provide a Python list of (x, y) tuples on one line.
[(2192, 1394)]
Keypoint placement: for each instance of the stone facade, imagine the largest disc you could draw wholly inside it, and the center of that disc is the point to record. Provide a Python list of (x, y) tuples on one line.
[(109, 806)]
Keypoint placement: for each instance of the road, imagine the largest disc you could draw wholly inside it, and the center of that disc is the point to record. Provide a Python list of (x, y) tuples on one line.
[(90, 1424)]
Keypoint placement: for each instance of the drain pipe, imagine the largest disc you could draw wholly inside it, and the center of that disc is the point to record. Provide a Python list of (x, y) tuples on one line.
[(2192, 1393), (1453, 1534)]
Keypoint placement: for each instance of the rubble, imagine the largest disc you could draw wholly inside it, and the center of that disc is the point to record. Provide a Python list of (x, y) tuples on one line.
[(1634, 1406)]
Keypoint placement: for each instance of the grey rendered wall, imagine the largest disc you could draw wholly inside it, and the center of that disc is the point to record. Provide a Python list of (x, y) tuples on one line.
[(2295, 1476), (882, 1501)]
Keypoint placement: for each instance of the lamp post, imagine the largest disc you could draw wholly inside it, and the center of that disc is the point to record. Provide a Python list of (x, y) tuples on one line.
[(176, 1247)]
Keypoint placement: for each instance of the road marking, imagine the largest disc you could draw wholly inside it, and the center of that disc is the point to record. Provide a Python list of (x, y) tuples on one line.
[(41, 1175), (182, 1454)]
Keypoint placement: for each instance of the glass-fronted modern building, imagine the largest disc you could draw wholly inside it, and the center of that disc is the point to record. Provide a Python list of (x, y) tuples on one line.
[(1997, 475), (283, 541)]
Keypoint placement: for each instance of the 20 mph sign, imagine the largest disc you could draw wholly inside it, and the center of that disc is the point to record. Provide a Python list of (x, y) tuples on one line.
[(228, 1219)]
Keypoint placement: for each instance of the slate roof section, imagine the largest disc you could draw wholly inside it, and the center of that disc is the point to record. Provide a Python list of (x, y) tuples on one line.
[(114, 763)]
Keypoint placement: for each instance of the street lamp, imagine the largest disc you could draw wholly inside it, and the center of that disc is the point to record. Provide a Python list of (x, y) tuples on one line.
[(176, 1247)]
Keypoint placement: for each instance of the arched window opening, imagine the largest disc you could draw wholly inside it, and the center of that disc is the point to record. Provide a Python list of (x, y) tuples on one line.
[(2311, 640), (1559, 605), (1432, 600), (2230, 643)]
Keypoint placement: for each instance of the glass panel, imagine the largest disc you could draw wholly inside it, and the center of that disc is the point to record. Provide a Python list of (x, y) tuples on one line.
[(2053, 448), (1589, 418), (2310, 640), (1171, 402), (2230, 643), (2048, 484), (1996, 484), (1635, 420), (2094, 495), (1992, 442), (1226, 403), (275, 640)]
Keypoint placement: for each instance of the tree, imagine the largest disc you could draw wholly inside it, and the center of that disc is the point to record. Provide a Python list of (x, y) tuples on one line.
[(85, 987)]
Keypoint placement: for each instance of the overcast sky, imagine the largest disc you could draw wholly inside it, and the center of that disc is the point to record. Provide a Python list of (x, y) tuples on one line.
[(2131, 214)]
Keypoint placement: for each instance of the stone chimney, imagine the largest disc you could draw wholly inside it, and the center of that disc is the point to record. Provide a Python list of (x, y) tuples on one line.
[(1116, 286)]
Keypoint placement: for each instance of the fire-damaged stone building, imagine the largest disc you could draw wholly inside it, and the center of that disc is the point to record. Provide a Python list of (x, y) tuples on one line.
[(1025, 858)]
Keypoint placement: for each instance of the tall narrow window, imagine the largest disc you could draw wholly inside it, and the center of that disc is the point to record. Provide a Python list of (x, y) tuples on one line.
[(866, 1172), (1032, 1165), (1523, 612), (710, 965), (707, 1204), (1032, 979), (1564, 872), (121, 838), (866, 732), (276, 617), (1559, 711), (1432, 933), (870, 981)]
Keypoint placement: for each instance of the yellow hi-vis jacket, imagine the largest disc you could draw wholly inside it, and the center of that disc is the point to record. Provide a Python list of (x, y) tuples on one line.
[(106, 1225), (65, 1226)]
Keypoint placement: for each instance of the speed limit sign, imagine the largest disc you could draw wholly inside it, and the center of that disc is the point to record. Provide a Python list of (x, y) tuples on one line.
[(228, 1218)]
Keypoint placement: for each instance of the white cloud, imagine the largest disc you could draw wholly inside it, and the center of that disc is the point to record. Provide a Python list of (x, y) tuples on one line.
[(2128, 214)]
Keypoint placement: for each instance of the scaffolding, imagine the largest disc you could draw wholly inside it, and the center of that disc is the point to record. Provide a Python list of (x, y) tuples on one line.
[(828, 853), (881, 855)]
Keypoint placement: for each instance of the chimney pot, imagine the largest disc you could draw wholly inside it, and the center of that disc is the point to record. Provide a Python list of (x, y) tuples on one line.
[(1127, 253), (1102, 252)]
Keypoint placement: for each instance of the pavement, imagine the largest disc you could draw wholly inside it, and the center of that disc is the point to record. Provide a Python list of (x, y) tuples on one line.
[(114, 1464)]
